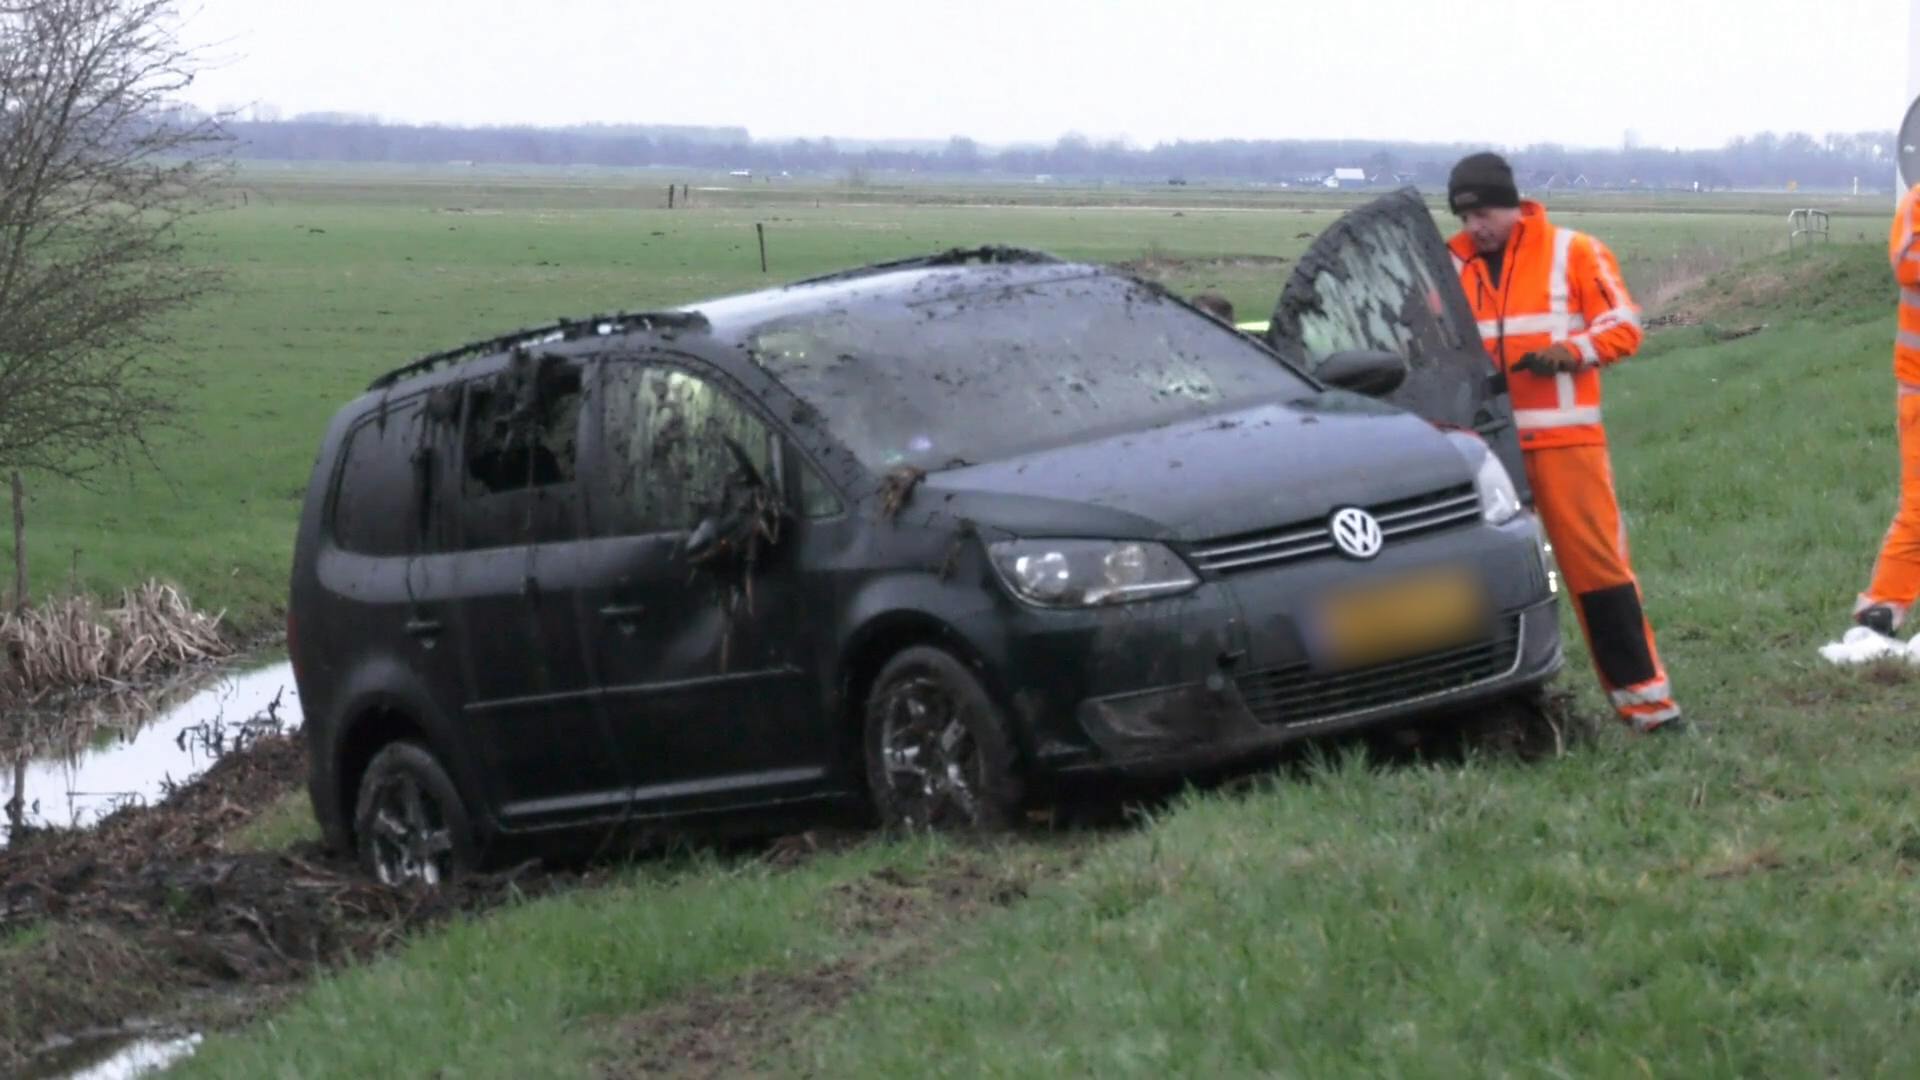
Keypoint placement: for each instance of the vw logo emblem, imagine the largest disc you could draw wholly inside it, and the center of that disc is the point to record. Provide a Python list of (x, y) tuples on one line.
[(1357, 533)]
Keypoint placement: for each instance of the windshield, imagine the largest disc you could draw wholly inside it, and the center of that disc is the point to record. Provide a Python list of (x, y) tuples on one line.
[(989, 375)]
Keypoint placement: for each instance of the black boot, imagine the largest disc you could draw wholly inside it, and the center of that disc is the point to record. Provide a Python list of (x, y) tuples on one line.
[(1879, 618)]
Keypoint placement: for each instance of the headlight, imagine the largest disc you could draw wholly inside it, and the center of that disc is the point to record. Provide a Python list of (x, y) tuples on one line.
[(1499, 499), (1088, 573)]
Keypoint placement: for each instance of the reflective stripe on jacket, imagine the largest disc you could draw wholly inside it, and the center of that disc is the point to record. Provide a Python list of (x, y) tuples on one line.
[(1903, 251), (1558, 286)]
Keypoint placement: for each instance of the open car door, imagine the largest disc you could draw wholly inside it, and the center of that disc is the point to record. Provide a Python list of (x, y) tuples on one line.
[(1381, 278)]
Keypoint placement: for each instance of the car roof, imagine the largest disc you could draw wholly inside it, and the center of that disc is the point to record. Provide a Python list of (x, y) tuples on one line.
[(733, 319), (730, 320)]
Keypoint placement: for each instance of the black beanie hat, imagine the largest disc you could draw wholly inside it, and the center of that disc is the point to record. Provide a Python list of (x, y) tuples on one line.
[(1481, 180)]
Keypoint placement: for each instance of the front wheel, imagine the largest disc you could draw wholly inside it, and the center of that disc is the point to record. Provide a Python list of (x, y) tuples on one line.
[(939, 752), (409, 825)]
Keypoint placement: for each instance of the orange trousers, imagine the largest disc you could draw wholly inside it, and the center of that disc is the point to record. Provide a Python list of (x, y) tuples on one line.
[(1896, 576), (1573, 494)]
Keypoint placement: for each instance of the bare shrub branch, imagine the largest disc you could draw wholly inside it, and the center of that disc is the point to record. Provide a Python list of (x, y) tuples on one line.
[(101, 166)]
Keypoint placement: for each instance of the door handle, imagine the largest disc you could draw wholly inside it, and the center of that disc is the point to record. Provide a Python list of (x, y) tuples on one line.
[(424, 628), (624, 616)]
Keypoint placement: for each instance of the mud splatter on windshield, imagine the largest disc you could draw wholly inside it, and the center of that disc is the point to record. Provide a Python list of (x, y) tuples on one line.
[(954, 380)]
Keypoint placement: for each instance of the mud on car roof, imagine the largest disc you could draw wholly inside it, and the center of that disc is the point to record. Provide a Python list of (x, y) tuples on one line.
[(988, 255), (690, 318), (559, 331)]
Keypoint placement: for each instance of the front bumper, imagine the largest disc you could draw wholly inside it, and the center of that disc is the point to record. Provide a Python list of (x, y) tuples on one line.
[(1221, 720), (1226, 672)]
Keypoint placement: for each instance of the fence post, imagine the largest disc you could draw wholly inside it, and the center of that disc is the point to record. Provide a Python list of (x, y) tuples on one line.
[(762, 230)]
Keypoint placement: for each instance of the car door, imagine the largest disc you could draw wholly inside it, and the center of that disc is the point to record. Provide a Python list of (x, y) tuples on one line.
[(549, 756), (391, 582), (1381, 278), (701, 663)]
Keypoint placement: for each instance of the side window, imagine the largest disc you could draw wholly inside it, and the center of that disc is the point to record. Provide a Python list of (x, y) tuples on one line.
[(671, 440), (374, 512), (520, 436)]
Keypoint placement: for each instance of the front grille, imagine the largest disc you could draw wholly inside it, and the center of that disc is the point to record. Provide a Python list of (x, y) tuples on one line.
[(1310, 539), (1297, 694)]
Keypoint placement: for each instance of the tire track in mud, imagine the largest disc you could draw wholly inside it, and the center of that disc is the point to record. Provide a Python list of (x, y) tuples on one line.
[(894, 922)]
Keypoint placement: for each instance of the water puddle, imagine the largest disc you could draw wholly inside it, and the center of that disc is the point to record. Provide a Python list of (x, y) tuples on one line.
[(115, 1056), (107, 753)]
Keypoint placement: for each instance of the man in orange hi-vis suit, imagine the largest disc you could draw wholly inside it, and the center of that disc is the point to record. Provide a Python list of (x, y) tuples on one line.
[(1553, 311), (1896, 576)]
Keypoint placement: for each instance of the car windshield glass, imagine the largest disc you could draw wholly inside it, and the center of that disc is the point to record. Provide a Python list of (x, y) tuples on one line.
[(988, 375)]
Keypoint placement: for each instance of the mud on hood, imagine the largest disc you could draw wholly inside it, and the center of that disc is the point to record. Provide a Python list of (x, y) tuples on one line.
[(1218, 476)]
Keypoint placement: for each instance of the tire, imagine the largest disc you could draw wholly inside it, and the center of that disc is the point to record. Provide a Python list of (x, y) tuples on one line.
[(939, 752), (410, 826)]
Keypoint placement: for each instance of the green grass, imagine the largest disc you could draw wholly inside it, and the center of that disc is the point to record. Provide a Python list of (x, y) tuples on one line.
[(529, 991), (340, 274), (287, 822), (22, 938)]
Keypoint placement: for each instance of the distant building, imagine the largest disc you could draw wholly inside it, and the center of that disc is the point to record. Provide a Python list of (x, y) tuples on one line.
[(1347, 178), (1550, 181), (744, 174)]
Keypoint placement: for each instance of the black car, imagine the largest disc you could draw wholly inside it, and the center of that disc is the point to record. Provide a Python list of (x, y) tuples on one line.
[(934, 534)]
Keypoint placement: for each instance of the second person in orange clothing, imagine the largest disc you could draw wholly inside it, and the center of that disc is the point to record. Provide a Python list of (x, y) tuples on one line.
[(1553, 311), (1888, 601)]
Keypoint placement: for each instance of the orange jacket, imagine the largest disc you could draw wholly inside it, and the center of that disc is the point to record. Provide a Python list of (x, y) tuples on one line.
[(1558, 285), (1903, 251)]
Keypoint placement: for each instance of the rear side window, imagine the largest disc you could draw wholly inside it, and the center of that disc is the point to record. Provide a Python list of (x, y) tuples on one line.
[(522, 433), (373, 500), (671, 442), (520, 437)]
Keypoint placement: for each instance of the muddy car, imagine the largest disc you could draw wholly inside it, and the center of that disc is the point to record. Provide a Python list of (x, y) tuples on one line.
[(933, 536)]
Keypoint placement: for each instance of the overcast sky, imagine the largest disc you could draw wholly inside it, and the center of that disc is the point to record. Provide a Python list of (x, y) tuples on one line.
[(1505, 72)]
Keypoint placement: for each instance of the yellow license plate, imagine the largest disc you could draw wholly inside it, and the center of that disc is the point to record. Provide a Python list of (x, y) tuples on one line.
[(1376, 623)]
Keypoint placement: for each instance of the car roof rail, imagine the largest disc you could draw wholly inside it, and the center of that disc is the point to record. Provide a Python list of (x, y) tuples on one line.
[(559, 330), (988, 255)]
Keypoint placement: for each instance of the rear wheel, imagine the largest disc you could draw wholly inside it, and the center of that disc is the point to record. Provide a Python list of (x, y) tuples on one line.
[(939, 752), (409, 825)]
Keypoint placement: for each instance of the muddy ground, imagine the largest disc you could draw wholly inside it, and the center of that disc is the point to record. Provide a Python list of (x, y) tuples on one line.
[(150, 916), (154, 916), (151, 919)]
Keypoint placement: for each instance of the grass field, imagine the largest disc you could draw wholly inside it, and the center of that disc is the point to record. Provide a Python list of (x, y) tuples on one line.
[(339, 275), (1743, 903)]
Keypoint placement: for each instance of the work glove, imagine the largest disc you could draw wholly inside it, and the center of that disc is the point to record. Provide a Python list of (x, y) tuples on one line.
[(1552, 360)]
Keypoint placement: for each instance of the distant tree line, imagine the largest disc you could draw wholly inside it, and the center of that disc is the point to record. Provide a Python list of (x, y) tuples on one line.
[(1832, 161)]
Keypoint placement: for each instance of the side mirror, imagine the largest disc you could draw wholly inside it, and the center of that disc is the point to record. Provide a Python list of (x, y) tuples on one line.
[(1363, 371)]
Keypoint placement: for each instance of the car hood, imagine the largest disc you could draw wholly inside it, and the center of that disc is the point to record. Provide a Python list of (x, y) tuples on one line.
[(1226, 474)]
